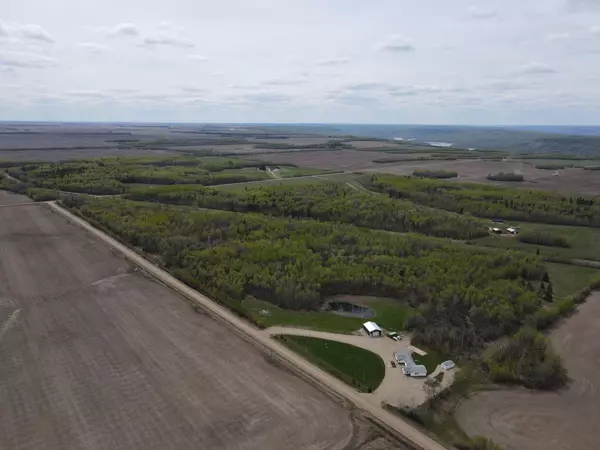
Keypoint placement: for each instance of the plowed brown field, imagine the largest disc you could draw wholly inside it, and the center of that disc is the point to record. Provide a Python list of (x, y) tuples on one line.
[(563, 420), (95, 355)]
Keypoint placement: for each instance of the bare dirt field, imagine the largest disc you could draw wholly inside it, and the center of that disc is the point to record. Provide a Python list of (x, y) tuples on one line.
[(373, 144), (334, 160), (9, 198), (95, 355), (569, 181), (566, 420)]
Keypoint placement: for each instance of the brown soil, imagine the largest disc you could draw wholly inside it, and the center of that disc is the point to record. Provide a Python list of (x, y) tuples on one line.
[(96, 355), (565, 420), (9, 198), (334, 160)]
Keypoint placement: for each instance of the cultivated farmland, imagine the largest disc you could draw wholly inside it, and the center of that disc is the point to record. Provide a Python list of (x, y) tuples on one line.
[(568, 419), (95, 355)]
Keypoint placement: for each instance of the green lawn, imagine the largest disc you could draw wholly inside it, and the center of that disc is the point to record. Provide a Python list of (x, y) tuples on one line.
[(362, 369), (390, 315), (568, 280), (584, 241), (431, 360)]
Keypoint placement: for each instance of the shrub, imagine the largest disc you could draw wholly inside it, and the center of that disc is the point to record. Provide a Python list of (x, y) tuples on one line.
[(502, 176), (526, 358), (439, 174)]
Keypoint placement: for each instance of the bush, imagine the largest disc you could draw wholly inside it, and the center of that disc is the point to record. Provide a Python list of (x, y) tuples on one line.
[(528, 359), (439, 174), (552, 166), (543, 238), (502, 176)]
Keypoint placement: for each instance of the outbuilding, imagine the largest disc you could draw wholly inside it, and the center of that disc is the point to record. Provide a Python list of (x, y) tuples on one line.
[(415, 371), (372, 329)]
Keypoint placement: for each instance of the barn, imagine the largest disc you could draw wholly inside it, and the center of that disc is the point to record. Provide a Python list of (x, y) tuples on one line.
[(372, 329)]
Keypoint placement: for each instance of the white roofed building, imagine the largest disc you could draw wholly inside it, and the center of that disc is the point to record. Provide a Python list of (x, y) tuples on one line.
[(372, 329)]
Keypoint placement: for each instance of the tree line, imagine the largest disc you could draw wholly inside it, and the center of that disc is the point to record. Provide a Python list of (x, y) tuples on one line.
[(322, 201), (462, 296), (490, 201)]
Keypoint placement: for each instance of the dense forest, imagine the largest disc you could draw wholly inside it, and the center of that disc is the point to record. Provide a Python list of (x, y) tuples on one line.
[(113, 175), (490, 201), (328, 202), (463, 297)]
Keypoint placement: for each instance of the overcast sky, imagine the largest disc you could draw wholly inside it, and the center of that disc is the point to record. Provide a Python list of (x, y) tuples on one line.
[(377, 61)]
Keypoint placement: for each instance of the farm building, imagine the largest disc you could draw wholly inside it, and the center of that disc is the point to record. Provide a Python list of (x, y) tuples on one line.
[(372, 329)]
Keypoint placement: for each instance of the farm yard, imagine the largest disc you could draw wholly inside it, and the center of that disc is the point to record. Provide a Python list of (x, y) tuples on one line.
[(521, 419), (97, 355)]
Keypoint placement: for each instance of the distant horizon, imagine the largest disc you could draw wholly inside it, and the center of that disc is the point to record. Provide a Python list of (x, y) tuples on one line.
[(127, 122)]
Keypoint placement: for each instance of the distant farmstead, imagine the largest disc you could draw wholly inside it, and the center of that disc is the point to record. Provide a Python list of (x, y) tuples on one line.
[(372, 329)]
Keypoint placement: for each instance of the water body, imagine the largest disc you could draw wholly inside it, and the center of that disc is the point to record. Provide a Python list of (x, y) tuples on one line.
[(347, 309)]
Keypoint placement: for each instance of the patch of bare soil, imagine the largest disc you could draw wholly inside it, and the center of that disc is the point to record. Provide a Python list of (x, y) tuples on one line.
[(95, 355), (568, 419)]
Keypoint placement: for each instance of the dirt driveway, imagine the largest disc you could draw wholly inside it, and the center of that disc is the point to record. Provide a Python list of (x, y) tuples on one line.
[(565, 420), (396, 388)]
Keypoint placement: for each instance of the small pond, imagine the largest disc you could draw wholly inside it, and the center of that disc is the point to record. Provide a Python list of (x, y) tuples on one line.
[(347, 309)]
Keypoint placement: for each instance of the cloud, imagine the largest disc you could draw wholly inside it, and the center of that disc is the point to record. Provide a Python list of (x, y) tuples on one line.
[(282, 82), (25, 31), (265, 97), (218, 74), (406, 91), (25, 60), (535, 68), (583, 5), (368, 86), (167, 40), (352, 99), (92, 47), (87, 95), (396, 44), (560, 36), (333, 62), (504, 86), (199, 58), (479, 13), (126, 30), (192, 89)]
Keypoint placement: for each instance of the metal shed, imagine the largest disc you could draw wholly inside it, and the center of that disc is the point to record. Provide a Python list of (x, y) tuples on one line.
[(372, 329)]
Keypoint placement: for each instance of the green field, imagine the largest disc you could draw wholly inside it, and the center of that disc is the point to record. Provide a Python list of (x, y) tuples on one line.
[(569, 280), (584, 241), (431, 360), (390, 315), (362, 369)]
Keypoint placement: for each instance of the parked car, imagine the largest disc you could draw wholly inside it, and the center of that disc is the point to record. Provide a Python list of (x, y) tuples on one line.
[(393, 364), (393, 335), (447, 365)]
